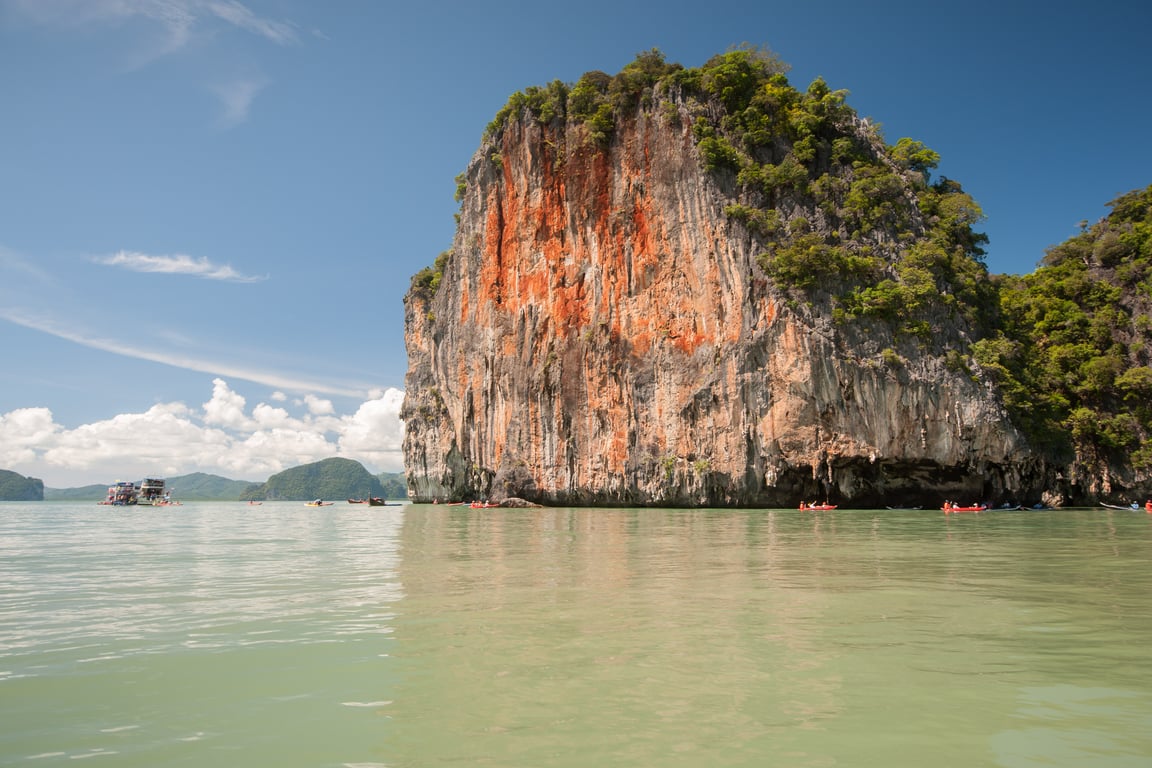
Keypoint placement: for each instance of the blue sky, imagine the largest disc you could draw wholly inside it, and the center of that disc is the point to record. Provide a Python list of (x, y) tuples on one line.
[(210, 210)]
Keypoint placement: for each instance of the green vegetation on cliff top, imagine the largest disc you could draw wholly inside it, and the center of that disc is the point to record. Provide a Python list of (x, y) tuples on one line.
[(867, 227), (1073, 353)]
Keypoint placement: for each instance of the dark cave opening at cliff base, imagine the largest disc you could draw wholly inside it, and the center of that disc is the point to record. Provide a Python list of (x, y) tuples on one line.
[(865, 483)]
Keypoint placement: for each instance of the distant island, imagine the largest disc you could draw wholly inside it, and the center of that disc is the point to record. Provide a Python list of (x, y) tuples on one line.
[(335, 478), (14, 487)]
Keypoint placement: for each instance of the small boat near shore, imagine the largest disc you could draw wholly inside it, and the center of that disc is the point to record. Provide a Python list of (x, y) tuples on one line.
[(1133, 507), (816, 507), (319, 503)]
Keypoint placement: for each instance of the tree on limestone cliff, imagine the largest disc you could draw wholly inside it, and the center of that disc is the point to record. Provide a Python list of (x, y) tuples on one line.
[(735, 77), (1073, 357), (839, 216), (427, 281), (595, 100)]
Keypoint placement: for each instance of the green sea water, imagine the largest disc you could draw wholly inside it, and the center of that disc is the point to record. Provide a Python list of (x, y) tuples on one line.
[(222, 634)]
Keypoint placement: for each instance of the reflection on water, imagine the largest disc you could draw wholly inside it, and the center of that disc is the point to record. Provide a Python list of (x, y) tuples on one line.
[(1071, 725), (660, 637), (192, 635), (431, 635)]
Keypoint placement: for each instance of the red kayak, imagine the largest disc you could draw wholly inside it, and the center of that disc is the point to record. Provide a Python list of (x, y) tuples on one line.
[(950, 507), (816, 507)]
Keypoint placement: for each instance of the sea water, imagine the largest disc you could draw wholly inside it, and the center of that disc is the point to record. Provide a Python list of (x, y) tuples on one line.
[(224, 634)]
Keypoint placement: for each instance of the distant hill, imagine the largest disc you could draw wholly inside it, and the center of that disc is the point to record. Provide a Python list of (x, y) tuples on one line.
[(14, 487), (194, 487), (83, 493), (201, 487), (328, 479), (395, 485), (331, 479)]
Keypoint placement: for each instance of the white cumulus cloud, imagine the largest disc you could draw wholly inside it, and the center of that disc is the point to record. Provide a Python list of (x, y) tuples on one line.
[(223, 437), (375, 430), (268, 416), (318, 406), (226, 408), (22, 431)]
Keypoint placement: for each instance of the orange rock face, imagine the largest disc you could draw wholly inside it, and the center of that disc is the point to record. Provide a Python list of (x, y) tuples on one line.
[(602, 334)]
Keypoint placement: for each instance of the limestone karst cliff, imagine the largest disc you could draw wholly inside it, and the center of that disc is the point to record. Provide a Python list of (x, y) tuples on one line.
[(692, 287)]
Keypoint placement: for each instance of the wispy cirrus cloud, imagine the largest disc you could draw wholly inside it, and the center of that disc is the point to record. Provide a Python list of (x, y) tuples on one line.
[(178, 18), (39, 322), (14, 267), (178, 264), (166, 27), (236, 97), (238, 15)]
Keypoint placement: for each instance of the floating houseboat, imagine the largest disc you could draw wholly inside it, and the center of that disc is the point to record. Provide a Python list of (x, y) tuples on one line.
[(151, 492), (121, 495)]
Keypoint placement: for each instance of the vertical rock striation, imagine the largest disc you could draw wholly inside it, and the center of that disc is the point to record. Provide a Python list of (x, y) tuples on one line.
[(602, 332)]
